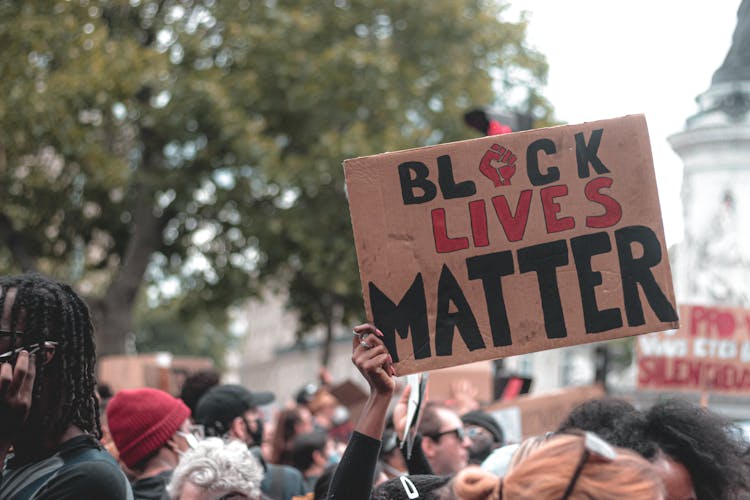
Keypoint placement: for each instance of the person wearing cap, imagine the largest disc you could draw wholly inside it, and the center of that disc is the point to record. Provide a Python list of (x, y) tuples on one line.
[(485, 435), (231, 411), (151, 429)]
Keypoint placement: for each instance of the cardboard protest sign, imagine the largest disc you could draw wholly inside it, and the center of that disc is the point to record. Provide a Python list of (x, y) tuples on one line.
[(710, 352), (447, 382), (537, 414), (510, 244)]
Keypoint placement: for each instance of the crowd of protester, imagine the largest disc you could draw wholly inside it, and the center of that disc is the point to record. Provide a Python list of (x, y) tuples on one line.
[(60, 438)]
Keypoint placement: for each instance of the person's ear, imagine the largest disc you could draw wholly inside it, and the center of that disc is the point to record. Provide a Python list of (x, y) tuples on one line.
[(172, 445), (319, 458), (428, 447), (237, 428)]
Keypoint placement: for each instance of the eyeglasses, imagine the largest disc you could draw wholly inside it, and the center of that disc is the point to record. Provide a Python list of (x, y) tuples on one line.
[(593, 446), (12, 355), (460, 433)]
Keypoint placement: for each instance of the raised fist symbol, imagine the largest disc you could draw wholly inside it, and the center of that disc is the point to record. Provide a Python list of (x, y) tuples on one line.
[(498, 165)]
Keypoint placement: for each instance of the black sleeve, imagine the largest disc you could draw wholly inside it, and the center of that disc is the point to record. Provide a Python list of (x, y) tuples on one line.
[(90, 479), (355, 472), (418, 463)]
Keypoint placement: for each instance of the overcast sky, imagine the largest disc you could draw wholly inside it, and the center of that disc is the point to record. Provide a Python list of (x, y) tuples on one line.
[(645, 56)]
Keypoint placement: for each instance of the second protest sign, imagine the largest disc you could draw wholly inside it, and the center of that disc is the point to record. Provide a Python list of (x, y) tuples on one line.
[(511, 244)]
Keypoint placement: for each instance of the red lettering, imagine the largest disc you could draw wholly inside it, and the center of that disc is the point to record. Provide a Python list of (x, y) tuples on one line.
[(659, 372), (650, 371), (686, 372), (478, 215), (443, 243), (698, 315), (725, 324), (709, 321), (612, 210), (513, 225), (552, 208)]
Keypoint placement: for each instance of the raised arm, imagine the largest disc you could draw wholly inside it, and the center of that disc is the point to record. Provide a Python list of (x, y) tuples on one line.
[(354, 475)]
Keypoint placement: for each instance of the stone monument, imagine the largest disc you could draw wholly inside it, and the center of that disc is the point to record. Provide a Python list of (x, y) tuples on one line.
[(712, 264)]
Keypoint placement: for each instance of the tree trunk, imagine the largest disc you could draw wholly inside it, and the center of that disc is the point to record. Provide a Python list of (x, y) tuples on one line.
[(113, 313), (328, 342)]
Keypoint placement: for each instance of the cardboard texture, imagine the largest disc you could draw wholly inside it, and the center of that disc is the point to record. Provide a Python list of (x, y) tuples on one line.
[(352, 396), (478, 375), (544, 412), (511, 244), (709, 353)]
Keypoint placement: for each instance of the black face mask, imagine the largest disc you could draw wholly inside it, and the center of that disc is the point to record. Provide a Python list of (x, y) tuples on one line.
[(256, 436)]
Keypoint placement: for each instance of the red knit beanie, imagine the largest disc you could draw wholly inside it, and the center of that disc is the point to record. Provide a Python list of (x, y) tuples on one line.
[(142, 420)]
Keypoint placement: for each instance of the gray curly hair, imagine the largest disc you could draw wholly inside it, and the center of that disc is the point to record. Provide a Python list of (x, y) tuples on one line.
[(216, 465)]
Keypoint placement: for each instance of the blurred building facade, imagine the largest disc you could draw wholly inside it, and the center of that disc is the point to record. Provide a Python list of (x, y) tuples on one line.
[(272, 359)]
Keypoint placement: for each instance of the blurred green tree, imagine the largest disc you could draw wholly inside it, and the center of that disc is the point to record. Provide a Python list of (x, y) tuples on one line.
[(193, 148)]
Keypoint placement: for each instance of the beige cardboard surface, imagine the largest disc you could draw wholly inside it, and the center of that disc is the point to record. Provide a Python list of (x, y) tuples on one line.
[(446, 382), (511, 244), (352, 396), (710, 352)]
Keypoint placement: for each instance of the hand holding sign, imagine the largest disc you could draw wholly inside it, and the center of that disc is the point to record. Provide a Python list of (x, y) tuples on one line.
[(371, 358)]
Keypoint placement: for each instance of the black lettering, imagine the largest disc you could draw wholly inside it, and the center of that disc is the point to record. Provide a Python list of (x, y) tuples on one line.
[(532, 163), (408, 183), (463, 319), (545, 259), (587, 153), (490, 268), (448, 185), (409, 315), (634, 271), (583, 248)]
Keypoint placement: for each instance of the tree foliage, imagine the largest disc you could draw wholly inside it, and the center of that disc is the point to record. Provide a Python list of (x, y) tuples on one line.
[(195, 146)]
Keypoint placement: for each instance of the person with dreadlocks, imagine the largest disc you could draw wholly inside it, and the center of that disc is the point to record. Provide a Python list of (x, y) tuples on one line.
[(48, 407)]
